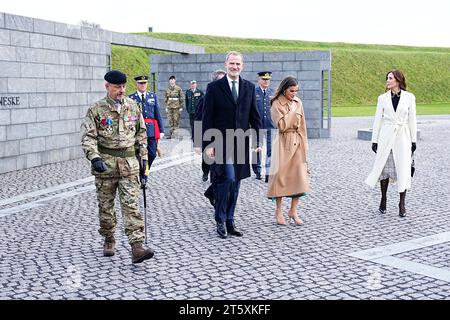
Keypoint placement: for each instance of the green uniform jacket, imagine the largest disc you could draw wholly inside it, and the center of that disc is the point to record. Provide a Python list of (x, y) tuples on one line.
[(104, 126), (192, 99), (174, 97)]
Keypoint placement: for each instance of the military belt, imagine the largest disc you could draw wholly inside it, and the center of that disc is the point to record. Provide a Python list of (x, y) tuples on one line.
[(121, 153)]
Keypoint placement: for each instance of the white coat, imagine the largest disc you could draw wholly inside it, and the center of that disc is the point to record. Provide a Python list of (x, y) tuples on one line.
[(394, 130)]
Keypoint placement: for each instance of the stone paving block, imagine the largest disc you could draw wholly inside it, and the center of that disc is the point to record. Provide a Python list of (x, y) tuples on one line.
[(313, 256)]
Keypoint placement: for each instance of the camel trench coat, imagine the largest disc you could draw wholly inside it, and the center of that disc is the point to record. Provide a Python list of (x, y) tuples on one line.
[(288, 169), (394, 130)]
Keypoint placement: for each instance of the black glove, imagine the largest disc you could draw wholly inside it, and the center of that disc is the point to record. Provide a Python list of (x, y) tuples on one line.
[(413, 147), (98, 164), (374, 147), (142, 175)]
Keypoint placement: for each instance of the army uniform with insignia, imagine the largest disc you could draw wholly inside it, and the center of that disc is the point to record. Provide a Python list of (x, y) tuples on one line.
[(192, 99), (113, 131), (174, 101), (148, 103), (263, 97)]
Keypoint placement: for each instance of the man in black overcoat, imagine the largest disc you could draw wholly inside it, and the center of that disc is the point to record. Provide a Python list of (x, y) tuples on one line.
[(229, 112)]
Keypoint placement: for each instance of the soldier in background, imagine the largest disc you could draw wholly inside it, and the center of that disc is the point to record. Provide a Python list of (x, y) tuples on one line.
[(111, 131), (193, 96), (174, 101), (263, 95), (148, 103)]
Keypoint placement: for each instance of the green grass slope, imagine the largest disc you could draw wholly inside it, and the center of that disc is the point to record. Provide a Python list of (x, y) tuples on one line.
[(358, 70)]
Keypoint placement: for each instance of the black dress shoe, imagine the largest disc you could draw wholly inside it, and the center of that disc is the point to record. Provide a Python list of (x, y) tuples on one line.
[(232, 231), (221, 230), (383, 211), (205, 177), (258, 176)]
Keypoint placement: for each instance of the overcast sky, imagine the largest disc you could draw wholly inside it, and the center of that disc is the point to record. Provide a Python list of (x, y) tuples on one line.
[(405, 22)]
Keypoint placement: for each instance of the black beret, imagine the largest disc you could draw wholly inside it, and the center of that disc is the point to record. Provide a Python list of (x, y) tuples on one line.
[(141, 79), (116, 77)]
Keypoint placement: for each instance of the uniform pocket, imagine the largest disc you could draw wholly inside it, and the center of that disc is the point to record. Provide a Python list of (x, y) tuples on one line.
[(129, 166)]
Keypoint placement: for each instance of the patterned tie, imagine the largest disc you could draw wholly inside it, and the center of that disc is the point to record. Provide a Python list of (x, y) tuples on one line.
[(234, 91)]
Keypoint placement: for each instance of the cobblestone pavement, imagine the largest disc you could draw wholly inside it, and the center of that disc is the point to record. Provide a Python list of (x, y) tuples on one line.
[(50, 247)]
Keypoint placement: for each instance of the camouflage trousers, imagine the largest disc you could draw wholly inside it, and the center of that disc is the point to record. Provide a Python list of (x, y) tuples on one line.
[(129, 201), (173, 115)]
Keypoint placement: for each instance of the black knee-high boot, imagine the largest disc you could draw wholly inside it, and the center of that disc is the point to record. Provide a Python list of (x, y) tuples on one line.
[(401, 205), (384, 186)]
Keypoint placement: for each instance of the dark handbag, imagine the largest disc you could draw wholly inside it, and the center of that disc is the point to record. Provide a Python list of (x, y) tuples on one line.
[(413, 166)]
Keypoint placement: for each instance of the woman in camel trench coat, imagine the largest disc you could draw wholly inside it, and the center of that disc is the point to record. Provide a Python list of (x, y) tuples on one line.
[(288, 176)]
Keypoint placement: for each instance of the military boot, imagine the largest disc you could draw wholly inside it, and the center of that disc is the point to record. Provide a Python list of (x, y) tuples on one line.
[(139, 253), (109, 247)]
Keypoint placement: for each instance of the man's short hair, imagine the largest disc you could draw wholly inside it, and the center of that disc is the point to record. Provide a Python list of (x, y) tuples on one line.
[(234, 53)]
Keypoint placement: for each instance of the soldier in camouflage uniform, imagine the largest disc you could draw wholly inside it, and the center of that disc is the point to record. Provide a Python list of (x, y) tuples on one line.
[(113, 131), (174, 101)]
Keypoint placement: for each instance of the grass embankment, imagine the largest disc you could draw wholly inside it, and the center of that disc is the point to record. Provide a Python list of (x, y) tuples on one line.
[(422, 109), (358, 70)]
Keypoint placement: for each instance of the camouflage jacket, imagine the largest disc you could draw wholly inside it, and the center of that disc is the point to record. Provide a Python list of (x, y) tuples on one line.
[(105, 126), (174, 97)]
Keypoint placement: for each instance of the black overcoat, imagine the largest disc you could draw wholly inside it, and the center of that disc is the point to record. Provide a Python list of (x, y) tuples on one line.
[(221, 112)]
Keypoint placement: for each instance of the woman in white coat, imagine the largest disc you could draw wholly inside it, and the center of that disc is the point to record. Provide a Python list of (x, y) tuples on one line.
[(394, 138)]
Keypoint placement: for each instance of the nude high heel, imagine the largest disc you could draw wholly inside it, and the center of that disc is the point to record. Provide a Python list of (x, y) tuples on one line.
[(279, 218), (295, 218)]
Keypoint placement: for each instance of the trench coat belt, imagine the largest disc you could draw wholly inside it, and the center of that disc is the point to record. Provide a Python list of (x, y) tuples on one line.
[(397, 125), (289, 137)]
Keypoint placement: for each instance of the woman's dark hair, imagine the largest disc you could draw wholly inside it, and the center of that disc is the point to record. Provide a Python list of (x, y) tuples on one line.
[(287, 82), (399, 76)]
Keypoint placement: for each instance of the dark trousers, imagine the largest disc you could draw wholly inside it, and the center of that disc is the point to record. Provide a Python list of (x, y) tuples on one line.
[(191, 121), (151, 147), (205, 167), (210, 193), (256, 167), (226, 191)]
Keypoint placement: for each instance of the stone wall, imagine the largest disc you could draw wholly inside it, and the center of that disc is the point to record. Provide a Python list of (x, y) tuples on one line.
[(50, 73), (307, 66)]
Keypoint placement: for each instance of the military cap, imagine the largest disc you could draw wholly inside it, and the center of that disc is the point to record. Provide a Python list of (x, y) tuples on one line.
[(172, 77), (193, 81), (115, 77), (141, 79), (265, 74)]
